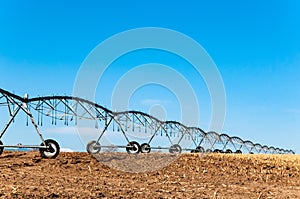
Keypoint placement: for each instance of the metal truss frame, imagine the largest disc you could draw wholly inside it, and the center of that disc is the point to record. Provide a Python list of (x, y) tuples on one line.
[(72, 109)]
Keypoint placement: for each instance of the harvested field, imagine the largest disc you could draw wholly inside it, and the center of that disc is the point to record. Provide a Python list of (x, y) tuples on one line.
[(79, 175)]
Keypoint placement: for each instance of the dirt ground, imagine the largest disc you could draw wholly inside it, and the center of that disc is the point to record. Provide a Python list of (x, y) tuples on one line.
[(80, 175)]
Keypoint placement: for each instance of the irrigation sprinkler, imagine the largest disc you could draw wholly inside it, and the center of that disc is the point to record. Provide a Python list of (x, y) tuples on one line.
[(140, 132)]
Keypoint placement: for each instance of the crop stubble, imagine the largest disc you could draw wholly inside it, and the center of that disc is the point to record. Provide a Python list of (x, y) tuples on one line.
[(79, 175)]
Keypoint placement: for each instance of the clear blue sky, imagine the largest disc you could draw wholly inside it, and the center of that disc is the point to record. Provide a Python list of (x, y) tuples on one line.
[(255, 45)]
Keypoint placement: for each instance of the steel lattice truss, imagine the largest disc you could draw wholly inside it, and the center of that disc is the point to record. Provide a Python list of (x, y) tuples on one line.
[(155, 134)]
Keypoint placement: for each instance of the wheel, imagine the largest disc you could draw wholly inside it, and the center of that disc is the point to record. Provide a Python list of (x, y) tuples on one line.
[(208, 151), (200, 149), (133, 147), (1, 148), (176, 148), (52, 151), (228, 151), (145, 148), (238, 152), (92, 147), (218, 151)]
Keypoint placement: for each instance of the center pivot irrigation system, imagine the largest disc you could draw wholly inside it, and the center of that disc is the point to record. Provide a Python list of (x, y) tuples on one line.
[(174, 136)]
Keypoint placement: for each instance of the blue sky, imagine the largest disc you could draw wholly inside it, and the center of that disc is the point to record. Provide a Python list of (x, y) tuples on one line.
[(255, 45)]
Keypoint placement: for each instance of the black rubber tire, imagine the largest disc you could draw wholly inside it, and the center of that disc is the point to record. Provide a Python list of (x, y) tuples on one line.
[(200, 149), (217, 151), (238, 152), (1, 148), (52, 151), (145, 148), (228, 151), (176, 148), (91, 149), (133, 147), (208, 151)]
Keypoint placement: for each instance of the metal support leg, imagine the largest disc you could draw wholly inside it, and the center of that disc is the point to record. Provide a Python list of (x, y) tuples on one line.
[(106, 126), (193, 138), (123, 132), (15, 112), (26, 110), (168, 137), (224, 146), (202, 139), (153, 135), (181, 138)]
